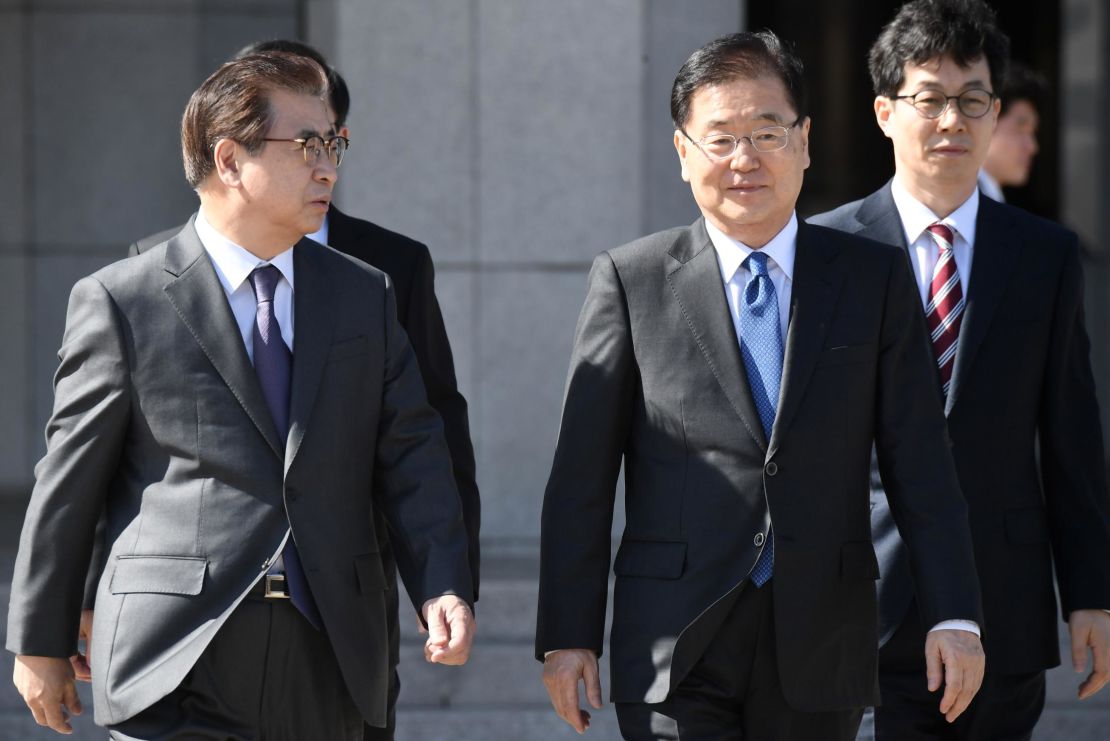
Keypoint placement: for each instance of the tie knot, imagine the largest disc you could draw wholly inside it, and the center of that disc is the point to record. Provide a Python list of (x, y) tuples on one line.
[(757, 264), (264, 281), (942, 235)]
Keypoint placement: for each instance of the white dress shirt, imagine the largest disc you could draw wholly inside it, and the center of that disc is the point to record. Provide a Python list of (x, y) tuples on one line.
[(916, 218), (233, 266)]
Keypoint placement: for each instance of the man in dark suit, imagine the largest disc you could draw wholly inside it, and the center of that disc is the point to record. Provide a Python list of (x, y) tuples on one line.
[(240, 472), (409, 264), (1002, 291), (744, 604)]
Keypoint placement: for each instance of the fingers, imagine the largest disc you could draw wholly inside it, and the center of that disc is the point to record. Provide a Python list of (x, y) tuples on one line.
[(953, 686), (82, 672), (450, 631), (56, 718), (1101, 674), (960, 653), (933, 665), (561, 674), (46, 685), (593, 684), (1080, 634)]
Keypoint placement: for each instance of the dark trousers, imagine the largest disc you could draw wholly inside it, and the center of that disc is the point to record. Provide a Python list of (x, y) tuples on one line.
[(371, 733), (268, 675), (1006, 708), (732, 690)]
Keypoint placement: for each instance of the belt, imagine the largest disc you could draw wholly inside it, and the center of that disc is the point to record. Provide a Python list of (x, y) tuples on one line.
[(270, 586)]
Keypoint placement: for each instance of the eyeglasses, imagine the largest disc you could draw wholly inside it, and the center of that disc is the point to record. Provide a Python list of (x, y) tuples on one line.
[(932, 103), (723, 146), (314, 146)]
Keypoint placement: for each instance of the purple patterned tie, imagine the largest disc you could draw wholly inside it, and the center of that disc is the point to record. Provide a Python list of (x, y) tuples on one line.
[(274, 363)]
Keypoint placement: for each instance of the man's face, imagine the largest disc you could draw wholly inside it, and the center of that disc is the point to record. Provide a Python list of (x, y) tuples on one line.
[(751, 195), (938, 155), (1013, 145), (283, 191)]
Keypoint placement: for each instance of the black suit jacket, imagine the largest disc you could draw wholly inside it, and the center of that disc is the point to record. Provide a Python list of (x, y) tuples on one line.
[(1022, 372), (409, 264), (657, 382)]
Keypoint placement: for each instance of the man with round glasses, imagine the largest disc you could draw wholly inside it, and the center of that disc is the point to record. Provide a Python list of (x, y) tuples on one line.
[(739, 368), (1001, 291)]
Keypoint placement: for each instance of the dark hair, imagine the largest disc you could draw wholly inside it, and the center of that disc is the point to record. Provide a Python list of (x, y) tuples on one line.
[(745, 55), (338, 93), (234, 103), (1022, 83), (924, 30)]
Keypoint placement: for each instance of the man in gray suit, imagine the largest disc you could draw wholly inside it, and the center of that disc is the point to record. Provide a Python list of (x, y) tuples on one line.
[(240, 471)]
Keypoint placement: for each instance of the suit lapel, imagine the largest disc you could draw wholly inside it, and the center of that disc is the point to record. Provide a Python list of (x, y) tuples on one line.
[(695, 280), (879, 220), (200, 301), (313, 316), (812, 300), (991, 264)]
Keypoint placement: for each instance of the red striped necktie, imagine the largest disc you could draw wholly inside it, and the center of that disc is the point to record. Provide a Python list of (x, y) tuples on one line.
[(946, 304)]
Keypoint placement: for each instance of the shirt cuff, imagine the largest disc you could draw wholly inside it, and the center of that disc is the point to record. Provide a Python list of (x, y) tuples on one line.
[(969, 625)]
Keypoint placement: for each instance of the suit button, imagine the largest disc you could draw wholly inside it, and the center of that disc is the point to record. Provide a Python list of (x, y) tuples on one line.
[(758, 540), (291, 496), (771, 468)]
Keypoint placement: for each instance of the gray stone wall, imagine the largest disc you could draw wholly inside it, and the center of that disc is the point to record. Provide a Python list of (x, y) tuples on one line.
[(518, 140), (91, 95)]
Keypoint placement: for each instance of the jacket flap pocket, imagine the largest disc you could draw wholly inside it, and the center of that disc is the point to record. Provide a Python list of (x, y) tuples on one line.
[(1026, 526), (348, 348), (846, 355), (656, 559), (368, 570), (857, 561), (159, 574)]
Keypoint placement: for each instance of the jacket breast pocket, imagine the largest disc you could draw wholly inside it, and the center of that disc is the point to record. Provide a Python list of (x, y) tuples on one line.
[(846, 355), (651, 559), (159, 575)]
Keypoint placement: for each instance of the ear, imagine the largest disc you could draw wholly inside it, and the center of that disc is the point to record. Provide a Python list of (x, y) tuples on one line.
[(226, 156), (344, 132), (804, 129), (884, 109), (681, 145)]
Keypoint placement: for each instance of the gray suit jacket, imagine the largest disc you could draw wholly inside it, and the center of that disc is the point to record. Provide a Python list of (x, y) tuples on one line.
[(160, 422), (657, 383)]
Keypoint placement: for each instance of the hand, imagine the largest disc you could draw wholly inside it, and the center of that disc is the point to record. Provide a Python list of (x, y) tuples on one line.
[(450, 630), (47, 686), (81, 662), (561, 672), (1090, 629), (956, 657), (420, 627)]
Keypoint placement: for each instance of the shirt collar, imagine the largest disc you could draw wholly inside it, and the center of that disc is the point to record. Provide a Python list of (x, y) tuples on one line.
[(731, 253), (917, 217), (233, 263)]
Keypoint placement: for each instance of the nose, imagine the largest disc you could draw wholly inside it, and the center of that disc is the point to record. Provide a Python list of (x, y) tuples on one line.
[(325, 170), (951, 118), (746, 156)]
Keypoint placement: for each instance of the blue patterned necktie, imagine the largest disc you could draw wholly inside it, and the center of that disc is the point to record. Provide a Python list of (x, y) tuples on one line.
[(761, 349), (274, 365)]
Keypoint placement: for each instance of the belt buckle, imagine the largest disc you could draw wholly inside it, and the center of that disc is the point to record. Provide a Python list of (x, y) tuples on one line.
[(275, 586)]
